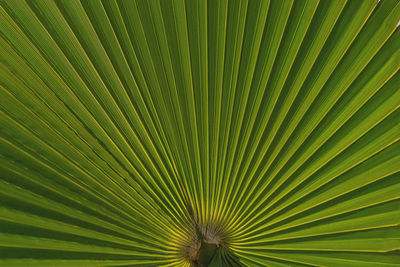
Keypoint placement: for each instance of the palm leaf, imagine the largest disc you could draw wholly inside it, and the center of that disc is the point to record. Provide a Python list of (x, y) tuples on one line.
[(199, 133)]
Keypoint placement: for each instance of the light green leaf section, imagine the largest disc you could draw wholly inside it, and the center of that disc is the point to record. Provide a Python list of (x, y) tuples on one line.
[(132, 131)]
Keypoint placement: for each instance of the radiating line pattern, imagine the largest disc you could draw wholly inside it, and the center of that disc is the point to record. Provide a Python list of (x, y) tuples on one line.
[(199, 133)]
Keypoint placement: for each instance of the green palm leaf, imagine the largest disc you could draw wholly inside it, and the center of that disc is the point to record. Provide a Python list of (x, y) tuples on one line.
[(199, 133)]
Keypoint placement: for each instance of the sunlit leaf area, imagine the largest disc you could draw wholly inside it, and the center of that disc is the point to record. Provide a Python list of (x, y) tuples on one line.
[(200, 133)]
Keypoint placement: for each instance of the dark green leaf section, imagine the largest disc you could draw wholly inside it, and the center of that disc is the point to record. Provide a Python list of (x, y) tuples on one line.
[(195, 132)]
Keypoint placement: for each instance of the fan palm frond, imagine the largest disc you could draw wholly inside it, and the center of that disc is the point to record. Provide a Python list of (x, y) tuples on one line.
[(199, 133)]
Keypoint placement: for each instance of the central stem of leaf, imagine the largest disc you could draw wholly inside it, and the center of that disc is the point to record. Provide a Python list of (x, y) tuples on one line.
[(204, 247), (204, 241), (206, 253)]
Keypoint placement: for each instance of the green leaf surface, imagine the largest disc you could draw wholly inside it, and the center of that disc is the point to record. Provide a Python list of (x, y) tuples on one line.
[(199, 133)]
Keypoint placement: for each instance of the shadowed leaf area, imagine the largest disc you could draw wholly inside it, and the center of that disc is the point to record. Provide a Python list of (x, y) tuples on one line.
[(199, 133)]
